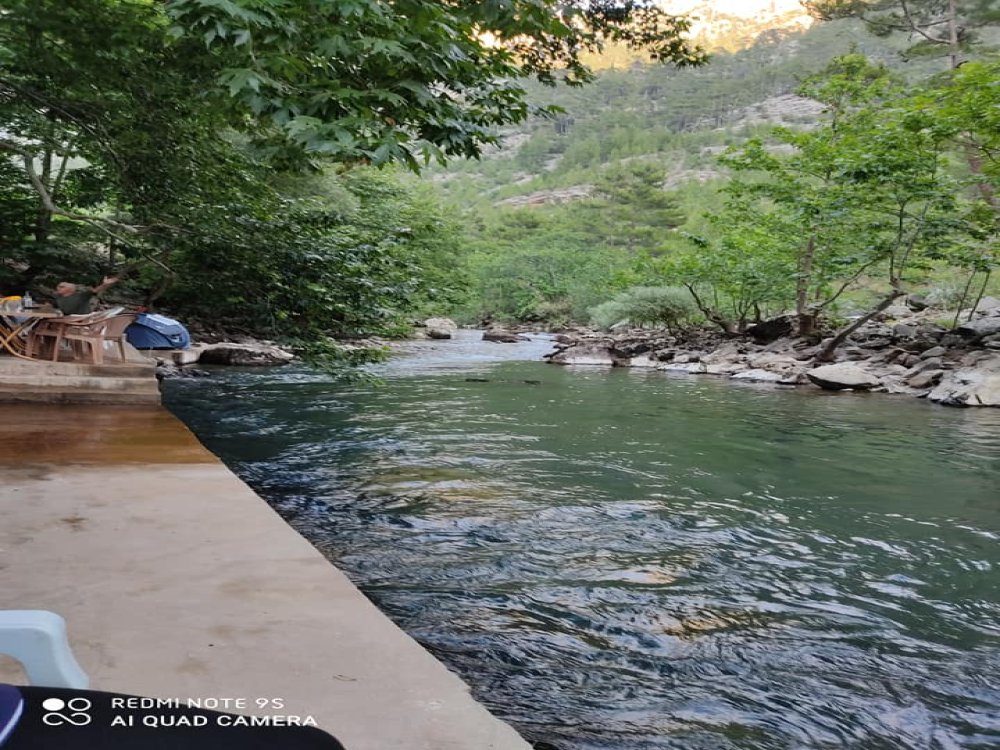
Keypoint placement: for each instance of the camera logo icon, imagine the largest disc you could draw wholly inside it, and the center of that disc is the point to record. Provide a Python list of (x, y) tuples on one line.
[(73, 712)]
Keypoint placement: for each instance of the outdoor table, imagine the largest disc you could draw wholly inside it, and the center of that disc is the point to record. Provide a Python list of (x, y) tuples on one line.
[(14, 325)]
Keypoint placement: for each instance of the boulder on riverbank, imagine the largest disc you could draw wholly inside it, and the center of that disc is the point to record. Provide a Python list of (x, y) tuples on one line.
[(976, 330), (259, 354), (439, 328), (591, 353), (772, 330), (843, 376)]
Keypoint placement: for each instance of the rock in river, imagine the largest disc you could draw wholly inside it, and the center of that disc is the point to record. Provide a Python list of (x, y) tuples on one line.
[(499, 336), (843, 376), (244, 355), (440, 328)]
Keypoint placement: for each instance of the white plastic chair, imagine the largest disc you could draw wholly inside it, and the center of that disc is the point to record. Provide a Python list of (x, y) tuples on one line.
[(37, 639)]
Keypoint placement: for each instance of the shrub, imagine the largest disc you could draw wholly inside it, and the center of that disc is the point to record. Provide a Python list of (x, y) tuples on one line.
[(947, 294), (555, 313), (645, 305), (608, 314)]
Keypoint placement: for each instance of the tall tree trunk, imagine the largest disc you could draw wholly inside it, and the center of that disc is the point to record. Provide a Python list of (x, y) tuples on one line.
[(806, 317), (982, 292), (954, 50), (43, 218), (827, 352), (962, 299), (986, 192)]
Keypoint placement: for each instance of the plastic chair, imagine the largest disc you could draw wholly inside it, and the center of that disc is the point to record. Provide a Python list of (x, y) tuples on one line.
[(37, 639), (114, 331), (79, 330)]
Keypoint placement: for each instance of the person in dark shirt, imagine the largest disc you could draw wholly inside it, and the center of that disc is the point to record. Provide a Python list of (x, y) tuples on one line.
[(74, 300)]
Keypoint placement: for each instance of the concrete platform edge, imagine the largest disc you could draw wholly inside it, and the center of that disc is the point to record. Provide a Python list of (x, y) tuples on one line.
[(177, 580)]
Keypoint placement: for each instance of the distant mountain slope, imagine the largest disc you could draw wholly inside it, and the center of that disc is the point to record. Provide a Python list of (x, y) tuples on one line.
[(681, 119), (735, 24)]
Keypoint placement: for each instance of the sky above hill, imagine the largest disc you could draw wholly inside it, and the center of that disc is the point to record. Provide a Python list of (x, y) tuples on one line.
[(742, 8)]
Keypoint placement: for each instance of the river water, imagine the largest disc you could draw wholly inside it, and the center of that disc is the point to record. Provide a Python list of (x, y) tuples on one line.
[(628, 560)]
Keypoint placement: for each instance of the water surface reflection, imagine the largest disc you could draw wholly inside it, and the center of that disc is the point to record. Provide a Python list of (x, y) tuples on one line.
[(619, 559)]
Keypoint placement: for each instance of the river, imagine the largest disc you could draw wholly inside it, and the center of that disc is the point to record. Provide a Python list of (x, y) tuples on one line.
[(630, 560)]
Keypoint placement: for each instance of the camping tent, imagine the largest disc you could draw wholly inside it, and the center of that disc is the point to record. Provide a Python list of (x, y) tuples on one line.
[(151, 331)]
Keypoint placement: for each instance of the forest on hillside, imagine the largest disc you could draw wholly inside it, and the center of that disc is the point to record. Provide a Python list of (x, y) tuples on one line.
[(825, 173)]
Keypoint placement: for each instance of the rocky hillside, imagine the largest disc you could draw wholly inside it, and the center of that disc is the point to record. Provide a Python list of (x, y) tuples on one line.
[(736, 24), (678, 119)]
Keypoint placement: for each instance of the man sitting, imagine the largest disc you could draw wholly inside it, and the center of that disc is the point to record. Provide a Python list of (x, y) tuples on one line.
[(73, 300)]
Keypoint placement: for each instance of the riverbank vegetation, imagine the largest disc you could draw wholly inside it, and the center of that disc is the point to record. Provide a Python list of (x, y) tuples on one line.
[(221, 154), (824, 174)]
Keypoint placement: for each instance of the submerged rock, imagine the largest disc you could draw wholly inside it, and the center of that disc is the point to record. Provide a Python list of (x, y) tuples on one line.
[(170, 371), (759, 376), (695, 368)]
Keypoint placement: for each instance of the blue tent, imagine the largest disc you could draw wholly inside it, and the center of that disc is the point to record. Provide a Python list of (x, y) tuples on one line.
[(151, 331)]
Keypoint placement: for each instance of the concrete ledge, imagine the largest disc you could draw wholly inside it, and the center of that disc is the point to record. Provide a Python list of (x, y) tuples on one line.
[(87, 383), (78, 396), (70, 382), (181, 357), (176, 580), (177, 357), (11, 366)]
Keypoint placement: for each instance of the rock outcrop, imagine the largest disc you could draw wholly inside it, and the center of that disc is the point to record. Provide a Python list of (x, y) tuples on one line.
[(440, 328), (977, 384), (260, 354), (905, 351), (585, 354)]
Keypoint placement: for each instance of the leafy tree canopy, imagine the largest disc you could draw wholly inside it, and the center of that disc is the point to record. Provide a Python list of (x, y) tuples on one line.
[(164, 132), (371, 81), (936, 27)]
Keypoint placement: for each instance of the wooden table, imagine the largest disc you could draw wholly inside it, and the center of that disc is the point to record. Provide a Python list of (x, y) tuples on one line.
[(15, 325)]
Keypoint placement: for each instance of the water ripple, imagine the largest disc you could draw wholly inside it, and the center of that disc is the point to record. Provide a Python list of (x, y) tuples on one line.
[(633, 561)]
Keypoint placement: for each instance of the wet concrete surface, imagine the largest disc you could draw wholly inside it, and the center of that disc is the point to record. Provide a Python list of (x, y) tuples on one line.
[(95, 435)]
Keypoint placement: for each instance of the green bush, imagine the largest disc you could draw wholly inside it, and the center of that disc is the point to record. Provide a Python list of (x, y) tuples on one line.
[(646, 306), (555, 313), (947, 294), (608, 314)]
